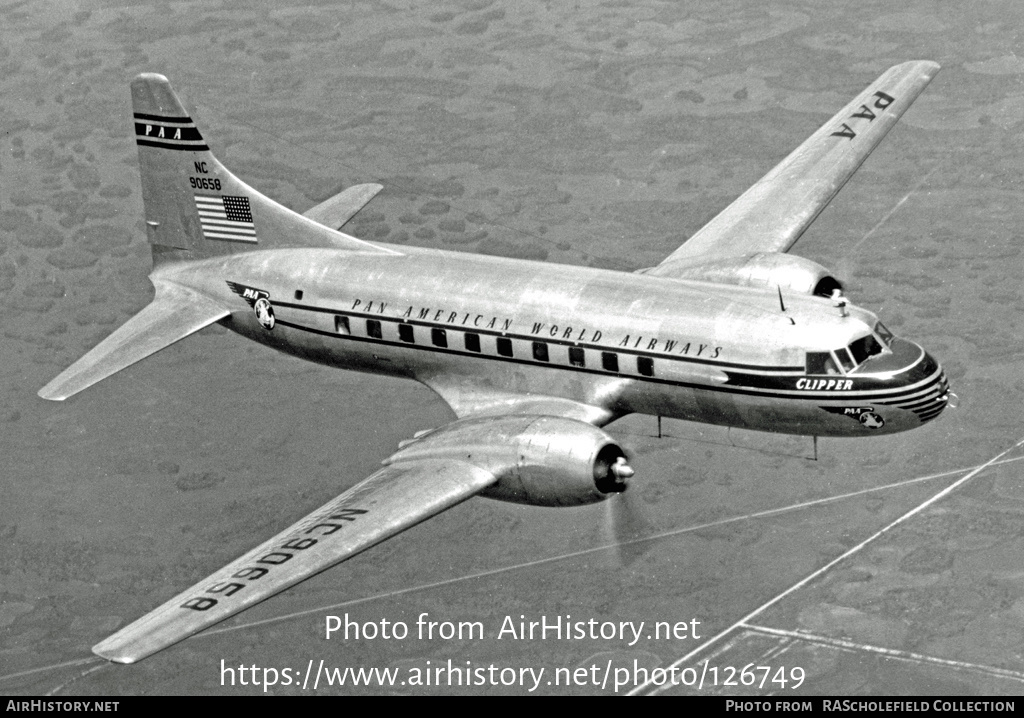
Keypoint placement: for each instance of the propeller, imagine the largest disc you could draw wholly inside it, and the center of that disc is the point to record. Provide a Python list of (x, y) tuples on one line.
[(623, 520)]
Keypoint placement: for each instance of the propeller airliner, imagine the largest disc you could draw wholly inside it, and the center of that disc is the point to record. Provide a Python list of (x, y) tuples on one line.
[(533, 358)]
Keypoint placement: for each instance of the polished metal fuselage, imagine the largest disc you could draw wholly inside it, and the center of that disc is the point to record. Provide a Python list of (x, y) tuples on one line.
[(697, 351)]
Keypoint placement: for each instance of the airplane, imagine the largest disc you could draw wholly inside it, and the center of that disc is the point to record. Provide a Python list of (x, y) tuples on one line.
[(533, 358)]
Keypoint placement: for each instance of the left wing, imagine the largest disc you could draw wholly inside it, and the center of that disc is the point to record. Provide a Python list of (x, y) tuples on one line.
[(393, 499), (771, 215)]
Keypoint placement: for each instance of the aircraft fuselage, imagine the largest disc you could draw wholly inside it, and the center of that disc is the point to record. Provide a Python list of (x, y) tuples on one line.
[(697, 351)]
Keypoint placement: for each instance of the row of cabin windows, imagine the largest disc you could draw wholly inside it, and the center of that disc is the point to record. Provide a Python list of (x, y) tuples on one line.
[(439, 338)]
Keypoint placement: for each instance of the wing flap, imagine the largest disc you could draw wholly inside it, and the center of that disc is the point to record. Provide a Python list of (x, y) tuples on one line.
[(772, 214), (174, 313), (389, 501), (342, 207)]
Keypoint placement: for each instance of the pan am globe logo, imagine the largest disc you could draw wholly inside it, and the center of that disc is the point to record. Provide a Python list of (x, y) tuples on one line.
[(264, 312), (866, 415), (869, 419), (259, 300)]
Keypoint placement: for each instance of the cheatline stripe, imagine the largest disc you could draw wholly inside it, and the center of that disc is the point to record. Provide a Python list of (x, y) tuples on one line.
[(873, 396), (877, 396), (197, 147), (934, 388), (924, 409), (915, 405), (159, 118), (913, 396), (725, 389)]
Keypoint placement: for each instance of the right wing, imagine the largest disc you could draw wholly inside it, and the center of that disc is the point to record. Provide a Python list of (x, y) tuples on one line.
[(393, 499), (342, 207), (778, 208)]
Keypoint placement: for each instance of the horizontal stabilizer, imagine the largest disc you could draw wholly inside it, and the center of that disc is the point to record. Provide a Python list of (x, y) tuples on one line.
[(173, 314), (342, 207)]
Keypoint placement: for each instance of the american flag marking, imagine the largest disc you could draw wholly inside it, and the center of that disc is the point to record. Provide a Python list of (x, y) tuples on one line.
[(226, 218)]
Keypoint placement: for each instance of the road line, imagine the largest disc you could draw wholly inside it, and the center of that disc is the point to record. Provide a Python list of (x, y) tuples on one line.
[(888, 652), (52, 667), (848, 254), (846, 554), (83, 674)]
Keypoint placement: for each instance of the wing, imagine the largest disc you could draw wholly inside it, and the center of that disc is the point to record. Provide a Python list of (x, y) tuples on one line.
[(342, 207), (771, 215), (174, 313), (429, 473), (388, 502)]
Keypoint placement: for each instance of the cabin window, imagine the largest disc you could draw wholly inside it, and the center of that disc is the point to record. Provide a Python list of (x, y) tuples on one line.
[(439, 337), (540, 351), (472, 342), (645, 366), (373, 329), (341, 325), (864, 348), (821, 363), (505, 346), (298, 295), (845, 360), (610, 361), (577, 357), (405, 333)]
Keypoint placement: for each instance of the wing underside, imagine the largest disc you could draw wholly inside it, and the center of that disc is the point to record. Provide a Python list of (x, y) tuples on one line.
[(391, 500), (774, 212)]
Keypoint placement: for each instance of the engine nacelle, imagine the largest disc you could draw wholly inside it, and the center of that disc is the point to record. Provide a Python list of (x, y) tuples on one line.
[(766, 270), (539, 460)]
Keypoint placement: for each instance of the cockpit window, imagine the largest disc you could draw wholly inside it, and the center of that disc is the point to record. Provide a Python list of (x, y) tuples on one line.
[(885, 335), (845, 360), (864, 348), (821, 363)]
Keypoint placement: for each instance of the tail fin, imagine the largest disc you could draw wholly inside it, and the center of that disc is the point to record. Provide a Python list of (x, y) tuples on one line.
[(194, 206), (195, 209)]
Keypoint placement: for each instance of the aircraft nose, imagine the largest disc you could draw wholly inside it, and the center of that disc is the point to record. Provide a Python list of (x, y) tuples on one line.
[(937, 402), (924, 388), (933, 398)]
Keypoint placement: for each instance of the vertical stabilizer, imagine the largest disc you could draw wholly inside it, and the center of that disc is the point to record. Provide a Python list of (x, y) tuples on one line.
[(194, 206)]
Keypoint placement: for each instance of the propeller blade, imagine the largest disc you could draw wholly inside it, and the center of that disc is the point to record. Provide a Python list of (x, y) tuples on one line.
[(624, 526)]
